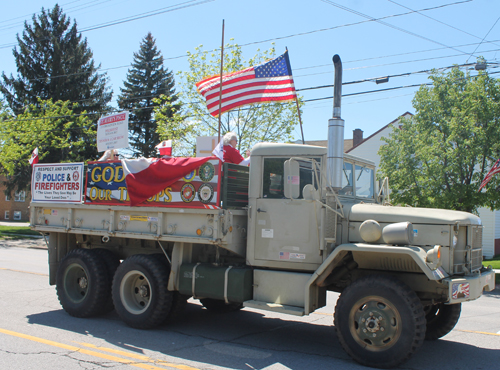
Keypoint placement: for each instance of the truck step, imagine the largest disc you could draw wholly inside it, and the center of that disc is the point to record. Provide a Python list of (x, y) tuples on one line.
[(275, 307)]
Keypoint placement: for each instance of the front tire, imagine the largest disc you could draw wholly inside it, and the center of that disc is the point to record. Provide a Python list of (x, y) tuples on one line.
[(441, 319), (380, 321), (140, 293), (82, 283)]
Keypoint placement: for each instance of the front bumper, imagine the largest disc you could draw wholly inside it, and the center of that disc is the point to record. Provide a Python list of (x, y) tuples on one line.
[(470, 287)]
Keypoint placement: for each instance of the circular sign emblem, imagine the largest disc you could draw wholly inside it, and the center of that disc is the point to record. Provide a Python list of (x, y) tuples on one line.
[(207, 172), (190, 176), (38, 176), (76, 176), (187, 193), (205, 193)]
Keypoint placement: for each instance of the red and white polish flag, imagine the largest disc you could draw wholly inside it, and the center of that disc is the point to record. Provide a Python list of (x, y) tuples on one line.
[(34, 157), (146, 177)]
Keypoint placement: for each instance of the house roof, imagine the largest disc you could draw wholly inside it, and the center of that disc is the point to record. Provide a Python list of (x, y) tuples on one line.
[(407, 114), (348, 143)]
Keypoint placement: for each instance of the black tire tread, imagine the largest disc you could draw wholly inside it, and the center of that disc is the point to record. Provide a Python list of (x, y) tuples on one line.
[(402, 290), (112, 262), (99, 285), (158, 274), (441, 324)]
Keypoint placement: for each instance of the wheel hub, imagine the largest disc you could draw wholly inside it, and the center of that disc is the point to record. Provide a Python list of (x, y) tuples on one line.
[(83, 283), (373, 323), (144, 291), (376, 323)]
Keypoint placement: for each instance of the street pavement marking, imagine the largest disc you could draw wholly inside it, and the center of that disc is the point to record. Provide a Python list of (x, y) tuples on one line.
[(480, 332), (26, 272), (137, 357), (100, 355)]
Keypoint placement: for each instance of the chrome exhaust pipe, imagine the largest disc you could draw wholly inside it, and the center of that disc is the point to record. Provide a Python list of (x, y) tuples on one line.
[(335, 154)]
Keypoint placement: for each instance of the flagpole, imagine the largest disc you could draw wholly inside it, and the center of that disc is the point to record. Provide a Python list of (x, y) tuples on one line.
[(298, 110), (221, 70)]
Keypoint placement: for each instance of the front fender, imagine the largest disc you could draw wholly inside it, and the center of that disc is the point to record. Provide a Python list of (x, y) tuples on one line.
[(373, 256)]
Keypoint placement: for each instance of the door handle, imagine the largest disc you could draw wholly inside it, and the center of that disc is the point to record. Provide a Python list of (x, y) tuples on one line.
[(261, 210)]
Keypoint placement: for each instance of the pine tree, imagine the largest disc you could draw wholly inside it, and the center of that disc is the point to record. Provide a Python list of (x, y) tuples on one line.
[(146, 80), (54, 62)]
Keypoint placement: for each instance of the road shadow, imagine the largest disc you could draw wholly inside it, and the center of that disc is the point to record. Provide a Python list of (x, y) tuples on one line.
[(251, 339)]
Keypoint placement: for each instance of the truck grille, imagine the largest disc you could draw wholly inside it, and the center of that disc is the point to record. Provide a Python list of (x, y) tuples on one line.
[(469, 257), (477, 248)]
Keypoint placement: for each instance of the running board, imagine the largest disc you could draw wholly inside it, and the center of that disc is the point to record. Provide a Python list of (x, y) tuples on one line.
[(275, 307)]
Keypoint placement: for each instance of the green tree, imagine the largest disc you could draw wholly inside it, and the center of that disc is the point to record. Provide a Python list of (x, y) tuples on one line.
[(50, 127), (54, 62), (173, 124), (146, 80), (273, 122), (439, 158)]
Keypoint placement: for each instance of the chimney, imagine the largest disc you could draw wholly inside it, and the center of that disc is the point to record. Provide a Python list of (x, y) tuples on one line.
[(357, 137)]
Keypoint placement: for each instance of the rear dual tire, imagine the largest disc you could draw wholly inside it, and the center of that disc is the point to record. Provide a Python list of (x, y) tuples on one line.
[(140, 293)]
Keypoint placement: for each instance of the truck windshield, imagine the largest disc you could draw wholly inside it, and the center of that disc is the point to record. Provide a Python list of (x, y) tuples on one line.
[(364, 182), (347, 188)]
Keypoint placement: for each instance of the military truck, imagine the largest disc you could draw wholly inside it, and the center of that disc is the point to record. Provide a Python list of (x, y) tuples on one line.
[(298, 222)]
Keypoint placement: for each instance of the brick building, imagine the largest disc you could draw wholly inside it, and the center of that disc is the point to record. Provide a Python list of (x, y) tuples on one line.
[(14, 207)]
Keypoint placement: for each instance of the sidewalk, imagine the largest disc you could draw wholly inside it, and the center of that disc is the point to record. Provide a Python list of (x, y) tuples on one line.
[(14, 223)]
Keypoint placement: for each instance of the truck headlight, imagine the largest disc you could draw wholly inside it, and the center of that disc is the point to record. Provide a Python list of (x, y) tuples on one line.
[(433, 258)]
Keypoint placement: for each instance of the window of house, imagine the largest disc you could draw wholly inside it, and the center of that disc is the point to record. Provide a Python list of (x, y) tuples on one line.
[(6, 215), (7, 198), (17, 215), (20, 196)]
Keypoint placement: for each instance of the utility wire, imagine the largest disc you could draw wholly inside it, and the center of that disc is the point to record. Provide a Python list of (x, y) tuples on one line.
[(307, 100), (494, 24), (171, 8), (378, 20)]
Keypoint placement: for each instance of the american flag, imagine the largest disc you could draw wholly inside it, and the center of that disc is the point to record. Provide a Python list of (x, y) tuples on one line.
[(267, 82), (495, 169), (460, 290)]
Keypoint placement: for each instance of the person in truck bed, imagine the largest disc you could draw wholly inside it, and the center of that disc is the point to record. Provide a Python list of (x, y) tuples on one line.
[(231, 154)]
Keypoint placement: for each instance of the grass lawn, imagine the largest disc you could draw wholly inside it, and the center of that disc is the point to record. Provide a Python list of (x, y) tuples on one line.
[(17, 232), (495, 263)]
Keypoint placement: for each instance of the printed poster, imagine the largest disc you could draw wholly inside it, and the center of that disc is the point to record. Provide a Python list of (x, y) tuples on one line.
[(112, 132), (61, 182)]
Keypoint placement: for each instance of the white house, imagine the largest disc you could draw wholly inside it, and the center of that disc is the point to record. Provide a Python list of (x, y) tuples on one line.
[(368, 148)]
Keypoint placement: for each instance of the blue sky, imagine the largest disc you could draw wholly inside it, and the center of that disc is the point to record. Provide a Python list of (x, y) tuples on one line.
[(314, 30)]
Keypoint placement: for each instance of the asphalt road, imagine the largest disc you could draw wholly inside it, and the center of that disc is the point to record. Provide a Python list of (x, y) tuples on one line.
[(35, 333)]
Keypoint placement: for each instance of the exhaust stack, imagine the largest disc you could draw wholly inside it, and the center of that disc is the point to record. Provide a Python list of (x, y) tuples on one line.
[(335, 156)]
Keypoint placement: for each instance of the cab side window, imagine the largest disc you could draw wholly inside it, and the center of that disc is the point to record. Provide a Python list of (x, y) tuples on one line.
[(273, 178)]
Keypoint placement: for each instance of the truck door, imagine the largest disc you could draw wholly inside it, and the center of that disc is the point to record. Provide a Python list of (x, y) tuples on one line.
[(287, 226)]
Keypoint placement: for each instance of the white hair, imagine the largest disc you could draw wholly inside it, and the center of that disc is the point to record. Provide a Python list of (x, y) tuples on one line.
[(228, 137)]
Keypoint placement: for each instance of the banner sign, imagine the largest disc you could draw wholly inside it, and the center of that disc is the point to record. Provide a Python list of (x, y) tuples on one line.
[(112, 132), (105, 184), (61, 182)]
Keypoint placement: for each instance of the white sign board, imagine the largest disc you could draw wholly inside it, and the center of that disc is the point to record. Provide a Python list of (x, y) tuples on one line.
[(112, 132), (205, 145), (59, 182)]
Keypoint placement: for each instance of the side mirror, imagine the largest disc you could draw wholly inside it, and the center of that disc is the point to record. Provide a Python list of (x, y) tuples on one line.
[(292, 179)]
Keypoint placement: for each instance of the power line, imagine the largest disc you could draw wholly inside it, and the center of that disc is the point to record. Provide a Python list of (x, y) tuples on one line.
[(484, 37), (437, 20), (186, 4), (378, 20)]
